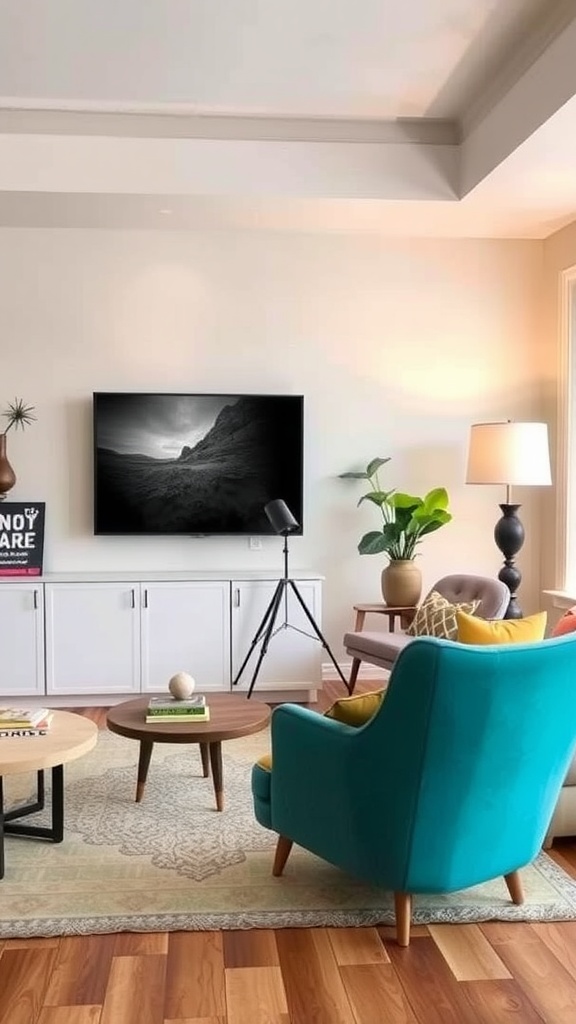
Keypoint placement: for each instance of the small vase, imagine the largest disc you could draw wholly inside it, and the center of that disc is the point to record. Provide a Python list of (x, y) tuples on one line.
[(7, 474), (402, 583)]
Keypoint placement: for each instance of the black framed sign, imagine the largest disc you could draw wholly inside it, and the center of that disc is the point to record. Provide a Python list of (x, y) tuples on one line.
[(21, 537)]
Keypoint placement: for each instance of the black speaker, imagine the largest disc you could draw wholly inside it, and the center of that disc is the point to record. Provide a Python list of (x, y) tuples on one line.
[(280, 517)]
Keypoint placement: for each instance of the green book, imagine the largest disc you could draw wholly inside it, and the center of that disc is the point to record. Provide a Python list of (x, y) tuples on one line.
[(178, 719)]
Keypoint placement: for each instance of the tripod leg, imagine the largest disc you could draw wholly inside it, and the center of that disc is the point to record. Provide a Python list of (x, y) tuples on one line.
[(318, 633), (280, 589), (270, 613)]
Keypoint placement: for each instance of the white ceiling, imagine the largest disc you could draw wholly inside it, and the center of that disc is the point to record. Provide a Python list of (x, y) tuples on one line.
[(307, 58), (437, 117)]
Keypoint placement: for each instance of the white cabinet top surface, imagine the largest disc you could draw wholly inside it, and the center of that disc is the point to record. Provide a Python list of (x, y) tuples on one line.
[(157, 576)]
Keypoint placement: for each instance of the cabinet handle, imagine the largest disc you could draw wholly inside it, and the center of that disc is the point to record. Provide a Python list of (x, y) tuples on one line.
[(35, 600), (145, 597), (132, 599), (237, 597)]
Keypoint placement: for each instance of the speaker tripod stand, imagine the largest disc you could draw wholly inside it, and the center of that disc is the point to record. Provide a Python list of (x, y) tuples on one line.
[(268, 628)]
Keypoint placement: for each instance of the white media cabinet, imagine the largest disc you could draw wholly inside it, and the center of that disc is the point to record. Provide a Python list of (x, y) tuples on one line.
[(97, 638)]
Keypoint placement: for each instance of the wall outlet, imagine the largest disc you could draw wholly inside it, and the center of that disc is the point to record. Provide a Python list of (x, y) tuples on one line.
[(255, 543)]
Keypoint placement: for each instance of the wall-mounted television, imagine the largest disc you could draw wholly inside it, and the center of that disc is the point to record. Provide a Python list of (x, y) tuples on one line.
[(195, 463)]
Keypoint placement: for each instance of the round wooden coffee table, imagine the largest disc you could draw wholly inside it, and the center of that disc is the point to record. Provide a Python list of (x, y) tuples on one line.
[(231, 715), (69, 736)]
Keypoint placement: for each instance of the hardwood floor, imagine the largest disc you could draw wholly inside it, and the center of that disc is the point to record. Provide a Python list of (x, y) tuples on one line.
[(494, 973)]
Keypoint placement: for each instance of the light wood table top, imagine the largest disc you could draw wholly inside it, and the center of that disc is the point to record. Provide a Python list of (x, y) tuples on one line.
[(69, 736)]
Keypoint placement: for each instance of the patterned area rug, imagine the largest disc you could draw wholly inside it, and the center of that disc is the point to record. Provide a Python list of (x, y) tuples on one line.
[(173, 862)]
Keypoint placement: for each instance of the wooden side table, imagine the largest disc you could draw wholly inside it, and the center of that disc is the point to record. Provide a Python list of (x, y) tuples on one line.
[(404, 613), (231, 715)]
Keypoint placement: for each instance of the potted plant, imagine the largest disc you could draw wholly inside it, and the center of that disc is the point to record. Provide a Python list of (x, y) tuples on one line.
[(406, 519), (19, 416)]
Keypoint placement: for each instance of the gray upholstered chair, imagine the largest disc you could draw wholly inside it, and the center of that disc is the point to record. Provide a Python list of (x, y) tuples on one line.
[(382, 649)]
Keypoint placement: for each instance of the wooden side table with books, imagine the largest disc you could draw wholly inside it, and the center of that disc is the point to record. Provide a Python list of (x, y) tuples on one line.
[(230, 715)]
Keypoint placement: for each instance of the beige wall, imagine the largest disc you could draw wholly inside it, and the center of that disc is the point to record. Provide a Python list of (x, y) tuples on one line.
[(559, 256), (397, 346)]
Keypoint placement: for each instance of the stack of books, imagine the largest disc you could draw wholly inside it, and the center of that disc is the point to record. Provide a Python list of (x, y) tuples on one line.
[(168, 709), (24, 721)]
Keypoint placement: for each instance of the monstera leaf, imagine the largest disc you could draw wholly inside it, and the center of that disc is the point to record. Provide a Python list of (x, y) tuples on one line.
[(406, 517)]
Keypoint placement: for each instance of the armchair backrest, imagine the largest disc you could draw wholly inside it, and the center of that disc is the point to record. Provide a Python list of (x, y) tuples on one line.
[(494, 596), (465, 761)]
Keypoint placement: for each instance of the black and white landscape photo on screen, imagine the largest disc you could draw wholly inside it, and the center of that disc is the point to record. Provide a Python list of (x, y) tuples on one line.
[(194, 464)]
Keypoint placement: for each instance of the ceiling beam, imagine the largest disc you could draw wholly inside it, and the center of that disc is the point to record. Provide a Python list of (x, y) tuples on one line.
[(529, 103), (227, 167), (169, 125)]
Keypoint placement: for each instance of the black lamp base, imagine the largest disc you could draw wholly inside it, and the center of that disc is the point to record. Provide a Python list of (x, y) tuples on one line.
[(509, 537)]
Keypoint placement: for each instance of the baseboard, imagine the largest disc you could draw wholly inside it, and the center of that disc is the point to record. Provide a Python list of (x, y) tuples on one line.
[(367, 671), (296, 692)]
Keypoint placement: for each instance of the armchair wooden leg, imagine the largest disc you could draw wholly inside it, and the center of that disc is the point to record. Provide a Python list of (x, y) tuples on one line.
[(283, 848), (403, 912), (353, 674), (514, 884)]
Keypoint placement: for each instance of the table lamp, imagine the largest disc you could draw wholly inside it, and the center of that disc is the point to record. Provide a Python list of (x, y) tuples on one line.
[(511, 454)]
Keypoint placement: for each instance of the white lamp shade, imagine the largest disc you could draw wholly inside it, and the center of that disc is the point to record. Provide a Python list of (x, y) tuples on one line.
[(508, 453)]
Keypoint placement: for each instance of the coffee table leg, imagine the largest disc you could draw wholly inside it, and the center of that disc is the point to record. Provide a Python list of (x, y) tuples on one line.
[(216, 763), (57, 803), (143, 765), (11, 825), (205, 755)]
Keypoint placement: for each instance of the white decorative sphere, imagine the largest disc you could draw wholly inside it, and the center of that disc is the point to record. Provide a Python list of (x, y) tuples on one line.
[(181, 686)]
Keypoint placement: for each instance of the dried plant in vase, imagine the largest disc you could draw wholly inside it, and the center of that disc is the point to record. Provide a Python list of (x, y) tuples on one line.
[(19, 416)]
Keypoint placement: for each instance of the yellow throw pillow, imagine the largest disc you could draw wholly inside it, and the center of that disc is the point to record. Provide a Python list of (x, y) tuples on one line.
[(437, 617), (265, 762), (357, 709), (472, 630)]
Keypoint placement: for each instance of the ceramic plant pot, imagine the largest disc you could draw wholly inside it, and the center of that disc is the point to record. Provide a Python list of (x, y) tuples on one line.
[(402, 583)]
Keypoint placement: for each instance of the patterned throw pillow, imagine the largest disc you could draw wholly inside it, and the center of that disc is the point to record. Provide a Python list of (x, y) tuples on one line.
[(437, 617)]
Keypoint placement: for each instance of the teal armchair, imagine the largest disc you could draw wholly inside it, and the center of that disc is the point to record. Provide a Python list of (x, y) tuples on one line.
[(452, 782)]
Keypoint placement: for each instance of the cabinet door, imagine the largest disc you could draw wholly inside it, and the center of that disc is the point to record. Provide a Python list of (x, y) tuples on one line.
[(294, 652), (186, 628), (92, 638), (21, 639)]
